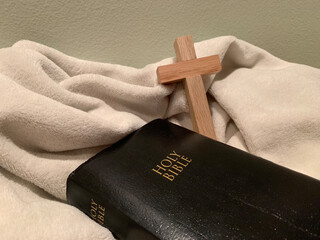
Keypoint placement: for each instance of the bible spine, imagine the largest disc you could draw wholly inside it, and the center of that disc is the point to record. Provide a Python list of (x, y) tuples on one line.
[(105, 213)]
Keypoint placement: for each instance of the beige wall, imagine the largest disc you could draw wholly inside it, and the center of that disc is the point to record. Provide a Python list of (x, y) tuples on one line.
[(135, 33)]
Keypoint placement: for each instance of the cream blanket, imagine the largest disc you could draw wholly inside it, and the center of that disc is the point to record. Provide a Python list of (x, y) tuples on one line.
[(56, 111)]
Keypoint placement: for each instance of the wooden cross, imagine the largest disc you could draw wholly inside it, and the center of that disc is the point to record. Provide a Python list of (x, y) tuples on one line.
[(189, 70)]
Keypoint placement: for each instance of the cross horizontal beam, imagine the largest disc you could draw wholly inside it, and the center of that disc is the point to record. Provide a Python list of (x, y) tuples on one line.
[(177, 71)]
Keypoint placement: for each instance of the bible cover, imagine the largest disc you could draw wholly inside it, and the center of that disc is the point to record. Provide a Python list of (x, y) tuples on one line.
[(166, 182)]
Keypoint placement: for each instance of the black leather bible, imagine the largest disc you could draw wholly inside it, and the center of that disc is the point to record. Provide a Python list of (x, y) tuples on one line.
[(166, 182)]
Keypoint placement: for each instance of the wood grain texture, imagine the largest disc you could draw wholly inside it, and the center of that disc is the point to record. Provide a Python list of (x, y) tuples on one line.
[(184, 48), (180, 70), (195, 91), (198, 106)]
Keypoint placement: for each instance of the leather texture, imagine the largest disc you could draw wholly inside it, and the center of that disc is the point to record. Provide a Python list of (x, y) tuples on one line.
[(221, 193)]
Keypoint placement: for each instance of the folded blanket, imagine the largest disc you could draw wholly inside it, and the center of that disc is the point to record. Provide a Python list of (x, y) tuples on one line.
[(56, 111)]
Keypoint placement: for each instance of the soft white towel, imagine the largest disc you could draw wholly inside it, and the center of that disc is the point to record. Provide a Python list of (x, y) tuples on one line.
[(56, 111)]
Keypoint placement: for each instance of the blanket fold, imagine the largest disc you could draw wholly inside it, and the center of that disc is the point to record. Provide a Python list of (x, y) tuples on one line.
[(56, 111)]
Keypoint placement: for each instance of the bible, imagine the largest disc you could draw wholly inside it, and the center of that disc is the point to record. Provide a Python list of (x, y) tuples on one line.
[(166, 182)]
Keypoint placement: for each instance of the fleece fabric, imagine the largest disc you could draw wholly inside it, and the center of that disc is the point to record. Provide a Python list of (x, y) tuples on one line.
[(57, 111)]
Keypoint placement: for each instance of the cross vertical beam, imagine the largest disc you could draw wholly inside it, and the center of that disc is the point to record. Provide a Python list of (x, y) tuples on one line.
[(193, 83)]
